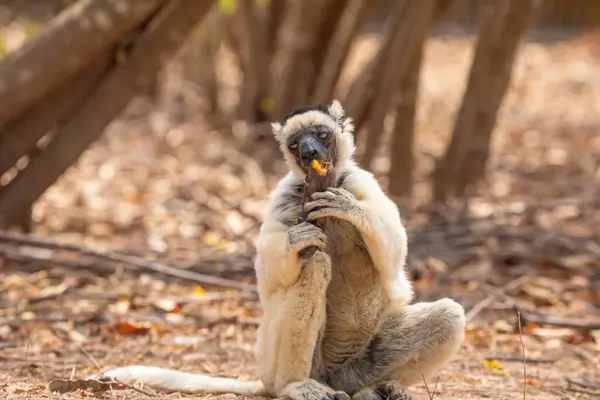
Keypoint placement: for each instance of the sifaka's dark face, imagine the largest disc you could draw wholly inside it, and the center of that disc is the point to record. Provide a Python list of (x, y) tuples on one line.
[(313, 142)]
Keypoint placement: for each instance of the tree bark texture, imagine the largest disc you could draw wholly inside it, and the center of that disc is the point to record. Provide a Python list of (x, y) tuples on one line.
[(502, 25), (405, 47), (362, 92), (254, 58), (78, 34), (20, 136), (295, 40), (401, 152), (110, 97), (200, 58), (333, 13), (352, 20)]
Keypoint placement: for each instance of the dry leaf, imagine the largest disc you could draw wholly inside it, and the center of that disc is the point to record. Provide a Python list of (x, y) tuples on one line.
[(128, 328), (90, 385), (199, 290), (476, 380), (167, 305), (122, 306), (531, 382), (495, 365)]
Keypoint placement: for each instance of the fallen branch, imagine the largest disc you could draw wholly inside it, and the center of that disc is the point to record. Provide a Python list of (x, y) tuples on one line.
[(128, 260), (580, 352), (583, 384), (489, 300), (560, 322)]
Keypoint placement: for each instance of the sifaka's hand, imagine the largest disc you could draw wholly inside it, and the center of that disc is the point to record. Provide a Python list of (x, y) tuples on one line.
[(337, 203), (306, 238)]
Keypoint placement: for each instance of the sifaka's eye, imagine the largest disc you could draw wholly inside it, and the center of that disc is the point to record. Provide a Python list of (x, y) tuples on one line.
[(323, 135), (293, 146)]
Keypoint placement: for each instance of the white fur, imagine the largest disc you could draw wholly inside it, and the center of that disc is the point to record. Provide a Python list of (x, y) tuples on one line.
[(184, 382)]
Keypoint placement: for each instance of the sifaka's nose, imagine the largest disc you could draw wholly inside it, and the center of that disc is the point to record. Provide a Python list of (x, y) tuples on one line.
[(307, 152)]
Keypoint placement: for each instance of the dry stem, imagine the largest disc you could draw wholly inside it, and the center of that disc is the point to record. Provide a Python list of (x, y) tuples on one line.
[(524, 362), (418, 365)]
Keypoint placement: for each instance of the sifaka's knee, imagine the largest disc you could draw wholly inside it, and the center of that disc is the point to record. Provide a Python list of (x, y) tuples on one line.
[(450, 318)]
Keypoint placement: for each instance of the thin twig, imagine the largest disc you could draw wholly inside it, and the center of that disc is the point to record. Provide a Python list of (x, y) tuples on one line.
[(560, 322), (583, 384), (524, 362), (579, 351), (416, 357), (435, 387), (591, 392), (489, 300), (90, 356), (529, 360), (136, 262)]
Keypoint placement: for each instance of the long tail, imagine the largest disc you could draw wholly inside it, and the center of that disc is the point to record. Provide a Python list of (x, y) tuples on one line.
[(184, 382)]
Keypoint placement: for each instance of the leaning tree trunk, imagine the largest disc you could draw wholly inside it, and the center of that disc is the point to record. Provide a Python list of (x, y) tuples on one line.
[(21, 135), (501, 27), (124, 80), (76, 35), (410, 37)]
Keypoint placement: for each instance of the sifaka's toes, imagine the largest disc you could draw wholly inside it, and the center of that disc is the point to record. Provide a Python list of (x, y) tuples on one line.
[(392, 390), (340, 396)]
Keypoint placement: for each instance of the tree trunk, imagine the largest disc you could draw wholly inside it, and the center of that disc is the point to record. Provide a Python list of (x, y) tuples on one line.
[(502, 25), (333, 13), (401, 152), (271, 16), (296, 39), (253, 60), (20, 136), (362, 92), (78, 34), (107, 100), (351, 22), (406, 98), (411, 35), (200, 59)]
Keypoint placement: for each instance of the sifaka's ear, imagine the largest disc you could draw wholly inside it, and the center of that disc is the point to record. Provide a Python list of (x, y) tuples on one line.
[(337, 111), (276, 128)]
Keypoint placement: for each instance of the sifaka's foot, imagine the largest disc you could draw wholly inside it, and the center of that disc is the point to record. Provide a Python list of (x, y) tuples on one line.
[(389, 390), (310, 389)]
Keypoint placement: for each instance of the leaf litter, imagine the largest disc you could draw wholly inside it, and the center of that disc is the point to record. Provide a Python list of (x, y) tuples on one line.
[(179, 192)]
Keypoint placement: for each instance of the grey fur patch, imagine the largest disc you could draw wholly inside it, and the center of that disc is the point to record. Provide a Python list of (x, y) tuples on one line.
[(423, 328), (288, 205)]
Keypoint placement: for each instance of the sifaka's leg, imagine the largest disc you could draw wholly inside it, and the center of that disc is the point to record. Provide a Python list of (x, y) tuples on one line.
[(431, 332), (294, 332)]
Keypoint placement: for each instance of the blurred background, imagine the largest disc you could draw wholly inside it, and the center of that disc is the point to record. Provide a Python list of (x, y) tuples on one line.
[(136, 158)]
